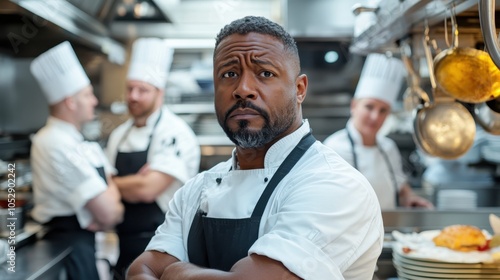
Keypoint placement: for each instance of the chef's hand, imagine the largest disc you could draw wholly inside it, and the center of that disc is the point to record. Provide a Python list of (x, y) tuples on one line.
[(407, 198), (144, 169), (420, 202), (94, 227)]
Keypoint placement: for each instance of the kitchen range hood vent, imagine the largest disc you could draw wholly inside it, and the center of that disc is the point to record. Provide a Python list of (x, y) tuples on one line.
[(141, 11), (396, 20), (27, 25), (319, 19)]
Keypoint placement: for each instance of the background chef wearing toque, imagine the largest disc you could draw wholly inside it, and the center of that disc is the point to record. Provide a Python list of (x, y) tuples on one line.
[(376, 156), (154, 152), (74, 195)]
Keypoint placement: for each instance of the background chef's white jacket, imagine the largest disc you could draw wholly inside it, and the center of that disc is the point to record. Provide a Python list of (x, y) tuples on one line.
[(371, 163), (64, 172), (174, 148), (322, 221)]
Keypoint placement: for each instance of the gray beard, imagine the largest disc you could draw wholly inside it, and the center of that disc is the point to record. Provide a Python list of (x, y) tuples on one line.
[(247, 139)]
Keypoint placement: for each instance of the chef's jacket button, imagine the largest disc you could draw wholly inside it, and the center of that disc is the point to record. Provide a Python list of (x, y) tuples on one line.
[(218, 180), (265, 180)]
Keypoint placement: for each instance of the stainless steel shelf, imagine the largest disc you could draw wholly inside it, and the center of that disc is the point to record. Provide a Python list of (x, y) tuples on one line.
[(192, 108), (403, 19)]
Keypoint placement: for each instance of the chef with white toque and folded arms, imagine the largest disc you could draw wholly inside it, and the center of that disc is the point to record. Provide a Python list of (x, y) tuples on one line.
[(376, 156), (74, 195), (154, 152)]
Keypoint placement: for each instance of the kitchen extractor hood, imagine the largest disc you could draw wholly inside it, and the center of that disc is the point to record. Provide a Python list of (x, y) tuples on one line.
[(396, 20), (319, 19), (29, 27), (194, 19), (142, 11)]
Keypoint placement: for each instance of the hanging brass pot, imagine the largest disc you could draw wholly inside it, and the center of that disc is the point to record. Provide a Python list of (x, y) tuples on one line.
[(444, 128), (467, 74)]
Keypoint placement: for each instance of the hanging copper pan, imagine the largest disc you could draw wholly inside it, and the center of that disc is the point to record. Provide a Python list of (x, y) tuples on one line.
[(444, 128), (467, 74)]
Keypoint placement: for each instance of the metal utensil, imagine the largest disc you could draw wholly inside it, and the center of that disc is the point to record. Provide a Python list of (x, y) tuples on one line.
[(495, 223)]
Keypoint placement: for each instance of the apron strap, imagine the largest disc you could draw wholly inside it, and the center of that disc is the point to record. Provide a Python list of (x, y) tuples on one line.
[(393, 176), (150, 136), (386, 159), (354, 156), (282, 171)]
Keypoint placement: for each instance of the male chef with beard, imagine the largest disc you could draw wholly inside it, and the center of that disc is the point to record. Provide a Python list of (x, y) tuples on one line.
[(154, 152)]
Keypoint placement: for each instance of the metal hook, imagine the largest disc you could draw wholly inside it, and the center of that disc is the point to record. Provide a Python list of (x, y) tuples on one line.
[(454, 29)]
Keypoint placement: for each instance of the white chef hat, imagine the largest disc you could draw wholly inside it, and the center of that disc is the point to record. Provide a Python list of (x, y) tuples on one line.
[(59, 73), (150, 61), (381, 78)]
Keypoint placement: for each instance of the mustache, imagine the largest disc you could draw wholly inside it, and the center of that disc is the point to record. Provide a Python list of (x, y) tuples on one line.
[(246, 104)]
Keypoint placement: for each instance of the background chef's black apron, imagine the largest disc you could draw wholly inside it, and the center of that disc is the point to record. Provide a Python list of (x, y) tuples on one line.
[(219, 243), (81, 262), (140, 220)]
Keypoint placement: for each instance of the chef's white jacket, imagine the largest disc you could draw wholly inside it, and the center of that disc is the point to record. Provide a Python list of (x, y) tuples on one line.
[(371, 162), (322, 221), (64, 172), (174, 148)]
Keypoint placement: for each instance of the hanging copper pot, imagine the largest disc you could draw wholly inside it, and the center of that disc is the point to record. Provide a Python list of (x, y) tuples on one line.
[(467, 74), (444, 128)]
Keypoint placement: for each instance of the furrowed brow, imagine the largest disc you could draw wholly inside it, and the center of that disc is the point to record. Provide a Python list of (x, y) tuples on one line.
[(229, 63), (262, 62)]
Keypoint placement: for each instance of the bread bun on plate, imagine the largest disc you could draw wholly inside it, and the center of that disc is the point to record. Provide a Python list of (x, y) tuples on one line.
[(463, 238)]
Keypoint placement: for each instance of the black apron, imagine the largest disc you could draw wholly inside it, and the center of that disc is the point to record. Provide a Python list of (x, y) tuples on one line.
[(387, 162), (81, 262), (219, 243), (140, 220)]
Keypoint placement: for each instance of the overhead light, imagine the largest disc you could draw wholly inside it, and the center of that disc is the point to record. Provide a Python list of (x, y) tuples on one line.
[(331, 56), (140, 10), (144, 9)]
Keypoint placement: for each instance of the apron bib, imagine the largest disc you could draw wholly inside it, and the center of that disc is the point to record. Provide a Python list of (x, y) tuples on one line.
[(81, 262), (219, 243), (140, 220)]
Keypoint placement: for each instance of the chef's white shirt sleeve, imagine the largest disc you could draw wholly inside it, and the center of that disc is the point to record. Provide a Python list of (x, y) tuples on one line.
[(111, 149), (78, 178), (101, 159), (170, 237), (297, 232), (167, 155)]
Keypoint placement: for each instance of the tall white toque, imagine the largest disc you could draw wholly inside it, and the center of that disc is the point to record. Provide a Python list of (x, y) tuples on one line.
[(381, 78), (150, 61), (59, 73)]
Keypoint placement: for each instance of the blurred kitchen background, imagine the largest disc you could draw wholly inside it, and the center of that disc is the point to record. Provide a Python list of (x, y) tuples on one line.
[(333, 37)]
